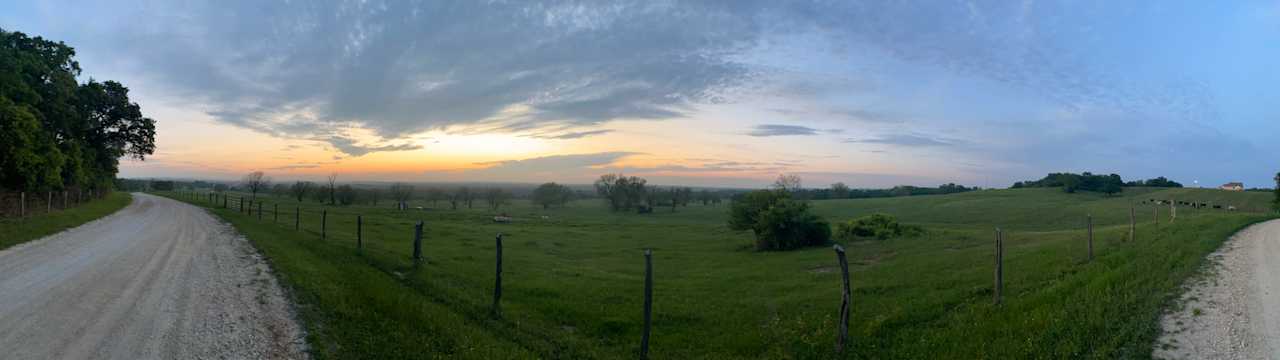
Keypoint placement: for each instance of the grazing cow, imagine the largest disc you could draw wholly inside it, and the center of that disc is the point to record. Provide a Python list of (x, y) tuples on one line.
[(1231, 208)]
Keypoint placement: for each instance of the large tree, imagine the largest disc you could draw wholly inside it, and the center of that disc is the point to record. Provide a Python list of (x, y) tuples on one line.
[(56, 133)]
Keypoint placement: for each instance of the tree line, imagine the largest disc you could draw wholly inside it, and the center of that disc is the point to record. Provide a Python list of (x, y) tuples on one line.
[(627, 193), (55, 132), (1107, 184)]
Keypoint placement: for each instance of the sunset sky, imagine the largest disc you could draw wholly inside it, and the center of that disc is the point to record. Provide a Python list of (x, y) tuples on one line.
[(721, 93)]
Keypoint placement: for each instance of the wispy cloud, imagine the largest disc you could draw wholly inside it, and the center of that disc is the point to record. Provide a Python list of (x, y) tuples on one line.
[(906, 140), (349, 146), (570, 135), (766, 130)]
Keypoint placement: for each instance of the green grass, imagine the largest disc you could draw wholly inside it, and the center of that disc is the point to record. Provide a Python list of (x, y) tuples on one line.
[(16, 231), (573, 280)]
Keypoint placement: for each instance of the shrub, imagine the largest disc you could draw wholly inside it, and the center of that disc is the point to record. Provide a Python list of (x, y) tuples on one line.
[(778, 222), (878, 226)]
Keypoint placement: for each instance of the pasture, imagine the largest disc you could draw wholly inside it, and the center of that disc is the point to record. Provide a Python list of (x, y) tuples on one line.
[(573, 278)]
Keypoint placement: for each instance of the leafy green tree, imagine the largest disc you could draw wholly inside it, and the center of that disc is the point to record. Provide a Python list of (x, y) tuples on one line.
[(778, 222), (56, 133), (551, 194)]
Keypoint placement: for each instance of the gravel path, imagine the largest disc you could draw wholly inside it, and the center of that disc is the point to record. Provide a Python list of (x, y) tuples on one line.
[(159, 279), (1234, 312)]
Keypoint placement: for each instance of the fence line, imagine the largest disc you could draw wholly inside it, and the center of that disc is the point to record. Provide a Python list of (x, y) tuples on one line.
[(237, 203)]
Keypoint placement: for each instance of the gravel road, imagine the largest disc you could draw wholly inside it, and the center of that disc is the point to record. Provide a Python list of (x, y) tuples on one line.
[(1234, 312), (159, 279)]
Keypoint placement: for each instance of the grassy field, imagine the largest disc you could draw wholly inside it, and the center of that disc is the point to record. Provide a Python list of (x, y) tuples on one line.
[(17, 231), (573, 279)]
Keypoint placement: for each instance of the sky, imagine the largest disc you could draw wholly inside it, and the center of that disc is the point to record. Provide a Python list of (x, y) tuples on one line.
[(697, 93)]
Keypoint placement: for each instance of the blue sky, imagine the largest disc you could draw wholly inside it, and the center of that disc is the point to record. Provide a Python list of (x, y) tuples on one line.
[(871, 93)]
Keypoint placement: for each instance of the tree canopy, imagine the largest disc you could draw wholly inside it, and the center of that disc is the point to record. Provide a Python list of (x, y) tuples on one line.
[(56, 133)]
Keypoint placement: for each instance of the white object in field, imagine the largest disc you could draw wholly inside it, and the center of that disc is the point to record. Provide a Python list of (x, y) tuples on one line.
[(502, 219)]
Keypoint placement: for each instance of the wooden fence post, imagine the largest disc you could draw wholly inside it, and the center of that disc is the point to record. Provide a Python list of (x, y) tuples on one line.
[(359, 233), (844, 299), (999, 275), (417, 243), (224, 201), (48, 205), (324, 222), (259, 211), (648, 303), (1090, 224), (1133, 224), (297, 217), (22, 209), (64, 199), (241, 209), (275, 213), (497, 278)]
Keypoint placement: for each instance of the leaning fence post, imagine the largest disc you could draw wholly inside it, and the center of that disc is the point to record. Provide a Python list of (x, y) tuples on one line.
[(844, 299), (1090, 224), (324, 221), (417, 243), (497, 277), (648, 303), (359, 233), (999, 285)]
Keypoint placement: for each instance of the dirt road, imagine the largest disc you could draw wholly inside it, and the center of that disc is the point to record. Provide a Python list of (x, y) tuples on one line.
[(158, 279), (1234, 313)]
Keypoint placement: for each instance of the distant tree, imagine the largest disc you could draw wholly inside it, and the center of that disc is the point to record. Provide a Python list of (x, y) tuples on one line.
[(373, 196), (787, 182), (778, 222), (841, 191), (434, 195), (346, 195), (300, 189), (254, 183), (162, 185), (551, 194), (622, 192), (1275, 203), (465, 196), (333, 188), (401, 193), (219, 187), (496, 197), (280, 190), (705, 196)]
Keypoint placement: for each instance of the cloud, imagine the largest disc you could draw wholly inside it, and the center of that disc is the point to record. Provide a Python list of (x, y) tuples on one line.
[(906, 140), (306, 69), (571, 135), (766, 130), (348, 146), (557, 165)]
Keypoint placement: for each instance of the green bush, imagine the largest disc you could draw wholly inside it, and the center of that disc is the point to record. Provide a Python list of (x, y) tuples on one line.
[(877, 226), (778, 222)]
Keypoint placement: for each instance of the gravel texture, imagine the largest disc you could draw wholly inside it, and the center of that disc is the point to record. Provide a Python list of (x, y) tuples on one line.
[(159, 279), (1233, 312)]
